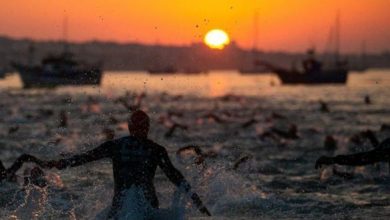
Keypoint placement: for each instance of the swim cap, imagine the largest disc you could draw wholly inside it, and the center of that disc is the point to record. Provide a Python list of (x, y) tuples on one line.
[(139, 119)]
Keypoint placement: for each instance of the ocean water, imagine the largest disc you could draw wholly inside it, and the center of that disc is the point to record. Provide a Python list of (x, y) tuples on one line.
[(275, 180)]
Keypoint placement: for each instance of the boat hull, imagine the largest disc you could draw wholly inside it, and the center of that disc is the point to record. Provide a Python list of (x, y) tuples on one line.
[(323, 77), (38, 78)]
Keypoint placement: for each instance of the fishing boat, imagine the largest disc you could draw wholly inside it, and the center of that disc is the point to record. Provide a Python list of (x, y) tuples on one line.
[(314, 71), (59, 70), (333, 76)]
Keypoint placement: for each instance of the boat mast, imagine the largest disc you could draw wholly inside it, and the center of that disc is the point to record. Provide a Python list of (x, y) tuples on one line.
[(363, 55), (65, 34), (337, 37), (255, 30)]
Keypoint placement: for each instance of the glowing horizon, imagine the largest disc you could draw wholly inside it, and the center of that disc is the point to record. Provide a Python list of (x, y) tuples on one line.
[(283, 25)]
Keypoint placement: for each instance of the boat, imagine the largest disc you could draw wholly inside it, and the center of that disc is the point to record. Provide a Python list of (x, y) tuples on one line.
[(58, 70), (314, 71), (330, 76)]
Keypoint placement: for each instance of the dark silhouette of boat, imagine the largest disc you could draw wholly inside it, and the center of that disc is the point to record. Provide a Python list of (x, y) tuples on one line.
[(334, 76), (312, 73), (58, 70)]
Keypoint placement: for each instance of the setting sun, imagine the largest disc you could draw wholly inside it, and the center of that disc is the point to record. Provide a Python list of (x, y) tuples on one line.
[(216, 39)]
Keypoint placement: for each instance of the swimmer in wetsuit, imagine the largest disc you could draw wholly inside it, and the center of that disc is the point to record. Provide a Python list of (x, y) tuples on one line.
[(135, 159), (380, 154), (9, 174)]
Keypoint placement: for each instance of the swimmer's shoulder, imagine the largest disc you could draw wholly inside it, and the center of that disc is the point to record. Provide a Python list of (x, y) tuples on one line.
[(155, 146)]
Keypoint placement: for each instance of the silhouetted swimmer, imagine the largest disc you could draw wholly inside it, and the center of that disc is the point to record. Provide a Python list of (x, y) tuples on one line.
[(109, 134), (13, 129), (43, 112), (241, 161), (214, 117), (379, 154), (324, 106), (231, 97), (63, 119), (192, 148), (358, 138), (173, 128), (135, 159), (132, 104), (371, 137), (290, 134), (330, 143), (200, 156), (249, 123), (275, 115), (367, 99), (92, 105)]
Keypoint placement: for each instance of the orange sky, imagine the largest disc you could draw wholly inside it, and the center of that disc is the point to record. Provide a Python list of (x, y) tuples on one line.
[(291, 25)]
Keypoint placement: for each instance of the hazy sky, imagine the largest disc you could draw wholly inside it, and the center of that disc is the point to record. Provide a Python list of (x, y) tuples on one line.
[(292, 25)]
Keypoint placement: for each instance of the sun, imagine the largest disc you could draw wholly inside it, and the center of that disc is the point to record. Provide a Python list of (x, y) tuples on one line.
[(216, 39)]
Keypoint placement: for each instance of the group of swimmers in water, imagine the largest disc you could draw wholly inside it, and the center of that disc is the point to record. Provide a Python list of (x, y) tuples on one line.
[(135, 159)]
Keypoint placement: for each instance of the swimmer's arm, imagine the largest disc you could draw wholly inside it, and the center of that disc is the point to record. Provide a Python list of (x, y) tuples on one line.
[(103, 151), (178, 179), (359, 159), (363, 158), (19, 163)]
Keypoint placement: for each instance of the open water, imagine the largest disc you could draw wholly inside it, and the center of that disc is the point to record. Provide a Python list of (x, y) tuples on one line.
[(276, 181)]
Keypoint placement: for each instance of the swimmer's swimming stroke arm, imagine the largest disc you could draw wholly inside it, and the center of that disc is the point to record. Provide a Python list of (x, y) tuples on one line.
[(178, 179), (358, 159), (23, 159), (100, 152)]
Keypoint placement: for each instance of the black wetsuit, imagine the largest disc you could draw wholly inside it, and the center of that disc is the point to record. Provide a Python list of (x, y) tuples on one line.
[(135, 161)]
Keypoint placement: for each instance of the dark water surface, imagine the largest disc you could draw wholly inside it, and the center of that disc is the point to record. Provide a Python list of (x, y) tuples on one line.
[(277, 181)]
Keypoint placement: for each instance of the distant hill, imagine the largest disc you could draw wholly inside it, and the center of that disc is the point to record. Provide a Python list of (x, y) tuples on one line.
[(132, 56)]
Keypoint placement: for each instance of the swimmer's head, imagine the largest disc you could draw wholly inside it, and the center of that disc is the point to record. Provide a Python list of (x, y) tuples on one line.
[(139, 124), (36, 172), (37, 177)]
